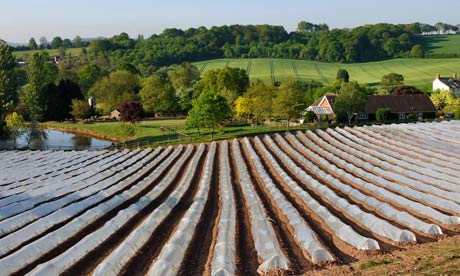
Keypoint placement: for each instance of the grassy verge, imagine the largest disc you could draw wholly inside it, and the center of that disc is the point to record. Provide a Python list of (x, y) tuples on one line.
[(151, 131)]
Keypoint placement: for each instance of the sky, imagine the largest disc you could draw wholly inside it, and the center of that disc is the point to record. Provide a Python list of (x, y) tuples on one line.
[(23, 19)]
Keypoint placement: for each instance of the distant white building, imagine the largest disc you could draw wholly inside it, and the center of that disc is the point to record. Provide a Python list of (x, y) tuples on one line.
[(116, 114), (451, 84)]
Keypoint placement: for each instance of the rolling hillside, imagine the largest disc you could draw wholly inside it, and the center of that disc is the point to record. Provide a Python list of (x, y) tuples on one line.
[(441, 44), (419, 72)]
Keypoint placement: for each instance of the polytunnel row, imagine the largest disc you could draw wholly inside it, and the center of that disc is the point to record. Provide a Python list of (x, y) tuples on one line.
[(427, 175), (29, 180), (80, 168), (74, 188), (374, 203), (32, 251), (265, 241), (409, 149), (223, 258), (365, 180), (369, 220), (81, 189), (37, 167), (301, 231), (340, 229), (377, 148), (396, 173), (427, 193)]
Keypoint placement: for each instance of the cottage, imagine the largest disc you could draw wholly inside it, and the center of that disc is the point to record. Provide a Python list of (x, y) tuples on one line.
[(324, 106), (448, 84), (116, 114), (400, 105)]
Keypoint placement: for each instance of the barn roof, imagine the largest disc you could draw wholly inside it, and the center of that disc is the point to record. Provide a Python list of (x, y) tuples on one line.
[(400, 103)]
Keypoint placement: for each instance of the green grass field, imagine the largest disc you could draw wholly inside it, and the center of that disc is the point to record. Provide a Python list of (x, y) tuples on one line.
[(150, 130), (24, 55), (418, 72), (441, 44)]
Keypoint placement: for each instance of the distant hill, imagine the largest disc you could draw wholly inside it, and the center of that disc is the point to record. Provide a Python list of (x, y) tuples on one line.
[(418, 72), (441, 45), (2, 41)]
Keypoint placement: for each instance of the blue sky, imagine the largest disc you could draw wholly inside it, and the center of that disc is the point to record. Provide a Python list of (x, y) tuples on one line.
[(22, 19)]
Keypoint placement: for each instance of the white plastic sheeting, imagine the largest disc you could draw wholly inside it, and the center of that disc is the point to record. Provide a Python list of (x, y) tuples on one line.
[(387, 149), (265, 240), (412, 150), (62, 262), (84, 198), (447, 200), (440, 179), (302, 232), (172, 254), (34, 250), (340, 229), (400, 189), (223, 258), (374, 224), (67, 170), (384, 208), (76, 189)]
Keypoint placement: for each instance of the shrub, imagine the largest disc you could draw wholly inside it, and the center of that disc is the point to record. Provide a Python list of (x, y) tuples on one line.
[(80, 109), (411, 117), (310, 116), (457, 115), (382, 114)]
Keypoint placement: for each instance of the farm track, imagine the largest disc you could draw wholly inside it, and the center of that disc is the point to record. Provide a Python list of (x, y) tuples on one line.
[(285, 160)]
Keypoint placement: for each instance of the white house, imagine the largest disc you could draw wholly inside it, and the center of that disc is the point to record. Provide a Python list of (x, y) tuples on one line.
[(449, 84)]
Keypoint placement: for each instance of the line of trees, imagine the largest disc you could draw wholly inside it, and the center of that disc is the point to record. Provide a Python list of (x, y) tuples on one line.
[(309, 42)]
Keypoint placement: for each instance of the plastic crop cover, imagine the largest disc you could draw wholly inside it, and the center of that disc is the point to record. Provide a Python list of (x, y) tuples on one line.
[(172, 254), (340, 229), (373, 223), (302, 233), (265, 240), (223, 261)]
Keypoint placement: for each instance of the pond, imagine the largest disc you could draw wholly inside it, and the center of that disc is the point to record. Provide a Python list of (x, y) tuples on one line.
[(44, 139)]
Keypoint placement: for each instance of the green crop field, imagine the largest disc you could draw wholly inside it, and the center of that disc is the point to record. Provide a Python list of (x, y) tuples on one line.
[(441, 44), (24, 55), (418, 72)]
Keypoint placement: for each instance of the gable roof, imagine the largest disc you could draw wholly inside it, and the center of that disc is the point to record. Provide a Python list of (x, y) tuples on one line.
[(400, 103), (450, 82), (330, 97)]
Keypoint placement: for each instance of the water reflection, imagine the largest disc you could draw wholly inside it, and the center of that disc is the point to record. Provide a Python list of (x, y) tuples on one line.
[(53, 139)]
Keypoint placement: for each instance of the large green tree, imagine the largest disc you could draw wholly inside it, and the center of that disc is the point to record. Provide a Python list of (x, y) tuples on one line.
[(8, 95), (229, 82), (112, 90), (57, 42), (33, 44), (88, 74), (257, 102), (289, 101), (352, 99), (40, 74), (209, 110), (157, 95), (182, 78)]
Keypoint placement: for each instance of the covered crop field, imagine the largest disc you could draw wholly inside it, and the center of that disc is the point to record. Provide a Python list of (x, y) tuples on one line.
[(276, 204)]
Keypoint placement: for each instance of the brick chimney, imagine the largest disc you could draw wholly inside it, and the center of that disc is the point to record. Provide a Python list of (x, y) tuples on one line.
[(438, 76), (454, 76)]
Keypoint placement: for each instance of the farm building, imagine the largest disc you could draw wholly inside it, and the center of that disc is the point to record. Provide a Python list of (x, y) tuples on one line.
[(450, 84), (400, 106)]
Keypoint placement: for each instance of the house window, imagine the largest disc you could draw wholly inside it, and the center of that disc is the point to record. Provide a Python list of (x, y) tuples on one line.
[(363, 116), (402, 116)]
